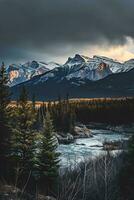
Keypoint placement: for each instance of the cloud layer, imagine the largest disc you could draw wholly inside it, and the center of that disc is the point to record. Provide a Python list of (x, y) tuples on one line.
[(54, 27)]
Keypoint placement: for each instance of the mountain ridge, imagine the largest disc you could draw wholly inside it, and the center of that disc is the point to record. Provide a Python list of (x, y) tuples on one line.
[(79, 66), (78, 75), (114, 85)]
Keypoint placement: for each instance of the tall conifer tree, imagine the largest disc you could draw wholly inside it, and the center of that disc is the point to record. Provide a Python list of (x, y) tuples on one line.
[(48, 157), (5, 131), (23, 141)]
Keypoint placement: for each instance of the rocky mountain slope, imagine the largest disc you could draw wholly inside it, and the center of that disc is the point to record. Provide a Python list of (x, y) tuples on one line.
[(114, 85), (80, 76), (21, 73), (80, 67)]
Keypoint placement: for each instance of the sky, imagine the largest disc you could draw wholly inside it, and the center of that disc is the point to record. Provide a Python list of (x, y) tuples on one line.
[(53, 30)]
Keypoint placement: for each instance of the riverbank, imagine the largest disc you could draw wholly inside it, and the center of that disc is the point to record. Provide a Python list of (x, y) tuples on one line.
[(80, 131), (88, 131), (122, 128)]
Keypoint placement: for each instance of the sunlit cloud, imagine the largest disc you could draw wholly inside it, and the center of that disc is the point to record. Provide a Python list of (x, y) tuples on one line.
[(117, 52)]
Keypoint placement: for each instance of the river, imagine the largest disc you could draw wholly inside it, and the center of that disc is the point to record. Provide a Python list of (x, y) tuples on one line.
[(85, 148)]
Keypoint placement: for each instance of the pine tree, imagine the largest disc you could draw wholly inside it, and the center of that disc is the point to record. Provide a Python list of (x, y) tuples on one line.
[(23, 141), (48, 157), (5, 131)]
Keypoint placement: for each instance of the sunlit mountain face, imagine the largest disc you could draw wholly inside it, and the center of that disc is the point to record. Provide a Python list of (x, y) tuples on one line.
[(18, 73)]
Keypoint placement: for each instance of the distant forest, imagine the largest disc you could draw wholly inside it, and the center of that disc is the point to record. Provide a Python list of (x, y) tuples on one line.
[(65, 113)]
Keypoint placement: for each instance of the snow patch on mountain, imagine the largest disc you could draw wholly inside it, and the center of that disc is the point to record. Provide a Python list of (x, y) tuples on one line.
[(78, 67), (23, 72)]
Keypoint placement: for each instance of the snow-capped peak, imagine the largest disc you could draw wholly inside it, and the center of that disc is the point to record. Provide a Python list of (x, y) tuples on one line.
[(79, 67), (77, 59), (23, 72)]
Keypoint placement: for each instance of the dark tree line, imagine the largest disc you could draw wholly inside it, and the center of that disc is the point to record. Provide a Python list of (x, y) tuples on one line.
[(62, 113), (65, 113), (114, 111)]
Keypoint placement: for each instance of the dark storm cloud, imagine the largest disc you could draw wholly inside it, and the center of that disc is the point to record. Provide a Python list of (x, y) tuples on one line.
[(42, 24)]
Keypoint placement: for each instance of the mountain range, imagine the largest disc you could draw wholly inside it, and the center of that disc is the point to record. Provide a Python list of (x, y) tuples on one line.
[(80, 76), (23, 72)]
